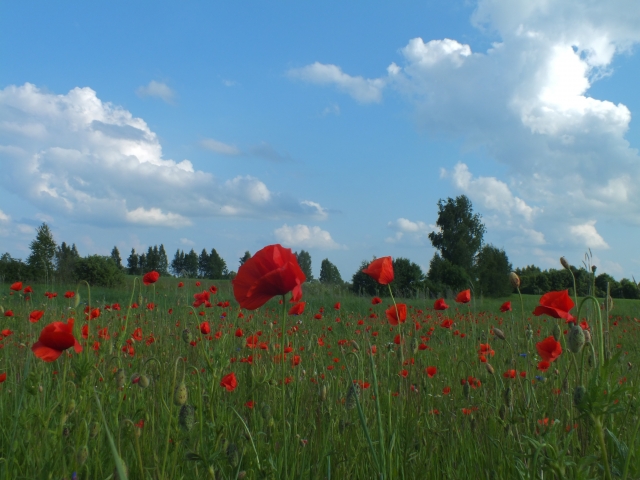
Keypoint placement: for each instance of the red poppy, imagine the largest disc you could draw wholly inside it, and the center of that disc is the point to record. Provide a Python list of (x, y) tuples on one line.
[(549, 349), (404, 373), (28, 289), (431, 371), (505, 307), (6, 332), (337, 306), (230, 382), (376, 300), (205, 328), (464, 296), (137, 334), (85, 331), (151, 277), (95, 313), (543, 366), (213, 289), (54, 339), (446, 390), (295, 361), (250, 404), (440, 304), (8, 313), (69, 294), (197, 284), (16, 287), (297, 309), (201, 298), (3, 377), (239, 333), (252, 341), (399, 316), (509, 374), (446, 323), (381, 270), (272, 271), (318, 316), (180, 284), (35, 315), (556, 305)]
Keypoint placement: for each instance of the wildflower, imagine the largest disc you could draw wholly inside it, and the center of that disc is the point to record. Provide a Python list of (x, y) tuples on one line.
[(8, 313), (69, 294), (556, 305), (440, 304), (376, 300), (151, 277), (464, 296), (404, 373), (297, 309), (205, 328), (509, 374), (3, 377), (543, 366), (272, 271), (16, 287), (54, 339), (505, 307), (446, 390), (431, 371), (549, 349), (446, 323), (396, 316), (229, 381), (381, 270), (35, 316)]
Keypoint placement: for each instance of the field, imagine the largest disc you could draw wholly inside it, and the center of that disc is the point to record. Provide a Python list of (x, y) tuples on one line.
[(353, 396)]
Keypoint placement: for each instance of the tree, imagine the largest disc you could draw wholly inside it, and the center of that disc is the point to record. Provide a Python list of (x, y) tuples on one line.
[(245, 257), (407, 279), (43, 251), (460, 233), (99, 270), (492, 270), (163, 261), (133, 263), (444, 275), (177, 264), (217, 266), (329, 273), (191, 264), (66, 258), (115, 256), (12, 269), (203, 264), (304, 260)]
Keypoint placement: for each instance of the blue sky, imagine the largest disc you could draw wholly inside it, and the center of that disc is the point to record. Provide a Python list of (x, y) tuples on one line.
[(333, 127)]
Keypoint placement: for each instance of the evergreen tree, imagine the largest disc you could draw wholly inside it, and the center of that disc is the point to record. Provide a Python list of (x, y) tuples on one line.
[(133, 263), (143, 265), (115, 256), (245, 257), (177, 264), (329, 273), (66, 258), (217, 266), (304, 260), (204, 269), (191, 264), (43, 251), (163, 261)]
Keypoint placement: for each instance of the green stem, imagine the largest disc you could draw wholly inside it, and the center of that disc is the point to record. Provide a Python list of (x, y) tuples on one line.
[(603, 447)]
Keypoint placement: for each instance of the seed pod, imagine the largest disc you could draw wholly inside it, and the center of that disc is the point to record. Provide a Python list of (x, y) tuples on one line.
[(514, 280), (564, 263), (499, 333), (556, 332), (119, 376), (186, 418), (233, 457), (94, 429), (71, 406), (82, 454), (186, 335), (144, 381), (593, 268), (576, 339), (489, 368), (578, 395), (466, 389), (587, 336), (265, 411), (180, 395), (508, 397), (323, 393), (352, 393)]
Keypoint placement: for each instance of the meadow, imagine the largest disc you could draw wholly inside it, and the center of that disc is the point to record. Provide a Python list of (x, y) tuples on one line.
[(163, 389)]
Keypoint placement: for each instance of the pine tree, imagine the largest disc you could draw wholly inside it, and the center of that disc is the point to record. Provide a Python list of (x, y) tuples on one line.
[(203, 264), (191, 264), (43, 251), (143, 264), (245, 257), (177, 264), (65, 259), (115, 256), (304, 260), (133, 263), (163, 261), (329, 273), (217, 266)]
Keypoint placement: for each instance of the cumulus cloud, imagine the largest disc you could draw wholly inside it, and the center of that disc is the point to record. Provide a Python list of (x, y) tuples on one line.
[(302, 236), (4, 217), (364, 90), (219, 147), (587, 234), (95, 162), (262, 150), (156, 89), (414, 232)]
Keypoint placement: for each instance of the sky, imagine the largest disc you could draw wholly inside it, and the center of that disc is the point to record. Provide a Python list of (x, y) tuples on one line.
[(333, 127)]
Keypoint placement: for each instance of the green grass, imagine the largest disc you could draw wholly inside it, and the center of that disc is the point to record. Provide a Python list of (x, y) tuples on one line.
[(321, 427)]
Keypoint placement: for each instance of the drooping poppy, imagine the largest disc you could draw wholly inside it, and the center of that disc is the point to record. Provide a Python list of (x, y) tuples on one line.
[(505, 307), (36, 315), (549, 349), (54, 339), (297, 309), (381, 270), (28, 289), (16, 287), (396, 317), (556, 305), (272, 271), (150, 277), (464, 296), (440, 304), (230, 382)]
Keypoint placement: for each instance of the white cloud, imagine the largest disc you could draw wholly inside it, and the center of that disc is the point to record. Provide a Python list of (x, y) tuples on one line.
[(219, 147), (302, 236), (186, 241), (364, 90), (415, 232), (156, 89), (97, 163), (315, 209), (4, 217), (333, 109), (587, 235), (25, 229)]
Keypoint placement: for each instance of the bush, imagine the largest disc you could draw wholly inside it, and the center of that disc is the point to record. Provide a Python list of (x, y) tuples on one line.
[(99, 271)]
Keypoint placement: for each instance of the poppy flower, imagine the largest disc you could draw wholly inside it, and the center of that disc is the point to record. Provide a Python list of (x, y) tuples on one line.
[(250, 404), (69, 294), (6, 332), (446, 323), (431, 371), (230, 382), (54, 339), (381, 270), (446, 390), (505, 307), (297, 309), (239, 333), (464, 296), (205, 328), (549, 349), (337, 306), (376, 300), (180, 284), (252, 341), (440, 304), (509, 374), (3, 377), (137, 334), (201, 298), (85, 331), (404, 373), (35, 315), (556, 305), (28, 289), (318, 316), (543, 366), (8, 313), (399, 316), (272, 271), (151, 277), (16, 287)]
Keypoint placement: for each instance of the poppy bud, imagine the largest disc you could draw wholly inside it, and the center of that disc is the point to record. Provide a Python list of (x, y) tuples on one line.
[(564, 263), (593, 269), (576, 339), (556, 332), (119, 377), (186, 335), (94, 429), (508, 397), (499, 333), (465, 389), (489, 368), (82, 454), (578, 395), (414, 345), (352, 393), (587, 336), (71, 406), (186, 418), (266, 411), (144, 381), (233, 457), (180, 395), (514, 280)]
